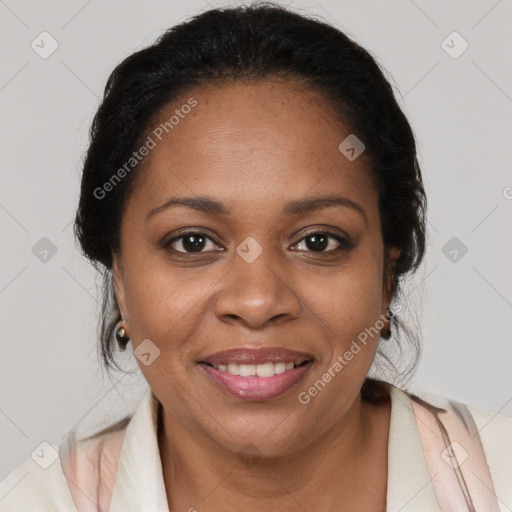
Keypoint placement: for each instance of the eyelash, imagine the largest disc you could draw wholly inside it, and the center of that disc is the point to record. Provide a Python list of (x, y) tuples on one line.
[(345, 244)]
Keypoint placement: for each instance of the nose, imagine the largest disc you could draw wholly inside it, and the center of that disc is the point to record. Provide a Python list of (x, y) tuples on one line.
[(256, 294)]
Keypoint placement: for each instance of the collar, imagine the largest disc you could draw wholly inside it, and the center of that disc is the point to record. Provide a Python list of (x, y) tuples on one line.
[(410, 486), (139, 481)]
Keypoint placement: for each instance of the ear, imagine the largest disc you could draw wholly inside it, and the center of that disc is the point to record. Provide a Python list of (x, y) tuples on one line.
[(118, 280), (393, 254)]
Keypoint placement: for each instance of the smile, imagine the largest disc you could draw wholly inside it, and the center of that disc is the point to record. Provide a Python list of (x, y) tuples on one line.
[(263, 370), (256, 374)]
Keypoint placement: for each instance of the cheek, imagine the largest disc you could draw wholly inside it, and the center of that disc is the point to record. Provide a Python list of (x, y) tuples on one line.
[(163, 302), (348, 304), (165, 307)]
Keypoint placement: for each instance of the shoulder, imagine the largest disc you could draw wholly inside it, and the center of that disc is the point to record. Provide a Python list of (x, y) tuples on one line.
[(491, 427), (492, 423), (484, 420), (37, 484), (495, 432), (478, 441), (66, 477)]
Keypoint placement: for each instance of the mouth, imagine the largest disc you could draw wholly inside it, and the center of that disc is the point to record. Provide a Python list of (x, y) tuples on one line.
[(262, 370), (257, 374)]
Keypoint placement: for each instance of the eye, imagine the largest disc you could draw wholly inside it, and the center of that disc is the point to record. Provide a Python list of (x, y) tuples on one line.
[(320, 241), (324, 241), (191, 242)]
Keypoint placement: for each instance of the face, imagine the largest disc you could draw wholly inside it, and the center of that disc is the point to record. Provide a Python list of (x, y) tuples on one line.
[(258, 274)]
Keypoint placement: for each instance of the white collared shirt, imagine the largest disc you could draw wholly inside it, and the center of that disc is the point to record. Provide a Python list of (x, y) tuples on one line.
[(138, 485)]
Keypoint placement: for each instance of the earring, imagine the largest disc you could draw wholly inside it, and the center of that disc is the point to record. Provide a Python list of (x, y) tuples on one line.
[(121, 336), (385, 333)]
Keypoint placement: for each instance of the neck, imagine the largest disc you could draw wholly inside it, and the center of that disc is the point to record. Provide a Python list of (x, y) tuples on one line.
[(331, 473)]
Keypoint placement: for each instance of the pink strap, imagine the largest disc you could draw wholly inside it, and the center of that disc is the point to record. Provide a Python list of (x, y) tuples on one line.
[(90, 469), (455, 457)]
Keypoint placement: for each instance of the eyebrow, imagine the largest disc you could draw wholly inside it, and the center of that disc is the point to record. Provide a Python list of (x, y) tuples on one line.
[(205, 204)]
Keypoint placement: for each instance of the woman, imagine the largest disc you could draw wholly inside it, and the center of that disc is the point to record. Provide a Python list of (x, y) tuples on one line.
[(252, 194)]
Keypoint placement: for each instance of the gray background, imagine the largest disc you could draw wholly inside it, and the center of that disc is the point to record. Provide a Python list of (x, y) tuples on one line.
[(460, 109)]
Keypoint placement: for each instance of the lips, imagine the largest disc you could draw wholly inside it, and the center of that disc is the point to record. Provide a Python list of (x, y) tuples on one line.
[(257, 374), (257, 356)]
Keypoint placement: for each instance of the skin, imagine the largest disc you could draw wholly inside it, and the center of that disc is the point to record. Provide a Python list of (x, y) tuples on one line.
[(237, 146)]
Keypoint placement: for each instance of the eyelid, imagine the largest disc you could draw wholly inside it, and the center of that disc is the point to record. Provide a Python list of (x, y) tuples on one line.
[(180, 234), (343, 240), (326, 231)]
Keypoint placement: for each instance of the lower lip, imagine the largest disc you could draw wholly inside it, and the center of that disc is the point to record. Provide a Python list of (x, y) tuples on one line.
[(257, 388)]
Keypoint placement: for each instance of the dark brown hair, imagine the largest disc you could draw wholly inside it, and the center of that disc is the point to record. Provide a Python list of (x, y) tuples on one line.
[(250, 43)]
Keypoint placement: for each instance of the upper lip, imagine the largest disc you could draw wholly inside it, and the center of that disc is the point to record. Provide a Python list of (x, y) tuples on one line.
[(257, 356)]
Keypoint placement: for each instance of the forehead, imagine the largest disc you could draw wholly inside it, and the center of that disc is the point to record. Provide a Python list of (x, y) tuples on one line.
[(252, 141)]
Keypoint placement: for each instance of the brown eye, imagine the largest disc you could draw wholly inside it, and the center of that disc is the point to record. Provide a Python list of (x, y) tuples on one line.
[(324, 241), (191, 242)]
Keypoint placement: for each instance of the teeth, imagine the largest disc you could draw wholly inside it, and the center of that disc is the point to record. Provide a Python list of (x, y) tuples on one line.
[(233, 369), (247, 370), (265, 370), (261, 370), (279, 368)]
